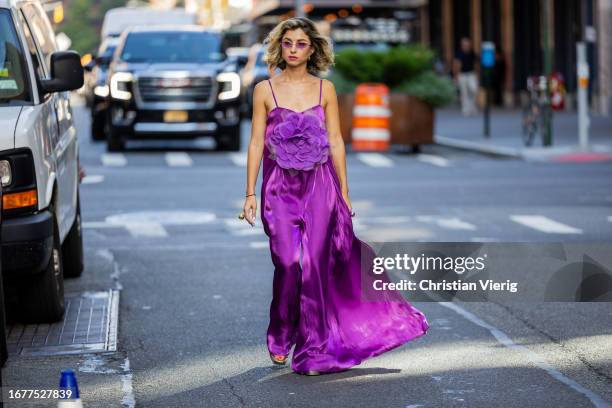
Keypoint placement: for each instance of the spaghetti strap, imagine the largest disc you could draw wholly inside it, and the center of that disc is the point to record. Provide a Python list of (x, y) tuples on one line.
[(320, 90), (272, 89)]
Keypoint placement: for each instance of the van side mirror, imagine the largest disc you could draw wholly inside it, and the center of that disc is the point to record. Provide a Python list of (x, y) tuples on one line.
[(66, 72)]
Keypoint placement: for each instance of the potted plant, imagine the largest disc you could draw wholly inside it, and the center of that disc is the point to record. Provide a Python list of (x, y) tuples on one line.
[(415, 89)]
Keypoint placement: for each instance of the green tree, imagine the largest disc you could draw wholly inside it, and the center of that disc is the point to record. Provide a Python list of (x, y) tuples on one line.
[(83, 20)]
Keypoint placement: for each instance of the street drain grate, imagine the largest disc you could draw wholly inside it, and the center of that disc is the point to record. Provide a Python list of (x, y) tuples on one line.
[(89, 326)]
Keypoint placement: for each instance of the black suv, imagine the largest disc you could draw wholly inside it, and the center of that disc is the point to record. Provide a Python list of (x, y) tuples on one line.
[(172, 82)]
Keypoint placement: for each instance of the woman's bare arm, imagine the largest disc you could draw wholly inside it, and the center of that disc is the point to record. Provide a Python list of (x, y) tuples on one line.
[(255, 149), (336, 143)]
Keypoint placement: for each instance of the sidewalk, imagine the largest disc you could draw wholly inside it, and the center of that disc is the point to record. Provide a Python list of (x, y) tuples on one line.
[(454, 130)]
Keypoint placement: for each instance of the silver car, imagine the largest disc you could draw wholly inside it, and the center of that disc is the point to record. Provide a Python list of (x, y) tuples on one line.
[(39, 171)]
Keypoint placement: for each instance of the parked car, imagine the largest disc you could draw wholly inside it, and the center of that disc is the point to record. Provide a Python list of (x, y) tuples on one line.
[(172, 82), (98, 88), (39, 169)]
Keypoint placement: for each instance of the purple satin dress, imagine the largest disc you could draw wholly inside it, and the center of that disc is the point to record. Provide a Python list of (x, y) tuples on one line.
[(325, 305)]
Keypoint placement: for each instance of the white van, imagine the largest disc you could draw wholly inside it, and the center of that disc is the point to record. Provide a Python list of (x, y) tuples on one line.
[(41, 223), (118, 19)]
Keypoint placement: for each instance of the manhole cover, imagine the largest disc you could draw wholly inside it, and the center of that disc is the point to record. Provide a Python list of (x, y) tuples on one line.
[(89, 325)]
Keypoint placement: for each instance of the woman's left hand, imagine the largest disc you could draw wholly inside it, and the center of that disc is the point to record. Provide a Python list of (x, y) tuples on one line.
[(348, 202)]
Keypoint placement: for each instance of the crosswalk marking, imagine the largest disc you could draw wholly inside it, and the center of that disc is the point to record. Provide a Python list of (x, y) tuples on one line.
[(239, 159), (146, 229), (544, 224), (99, 224), (243, 228), (93, 179), (392, 219), (453, 223), (259, 244), (246, 232), (178, 159), (433, 159), (375, 159), (114, 159)]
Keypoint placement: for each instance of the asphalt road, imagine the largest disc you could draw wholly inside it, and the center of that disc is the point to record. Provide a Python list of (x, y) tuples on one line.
[(195, 284)]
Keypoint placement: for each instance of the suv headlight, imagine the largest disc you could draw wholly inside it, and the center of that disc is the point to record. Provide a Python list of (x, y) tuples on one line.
[(5, 172), (229, 85), (101, 91), (121, 85)]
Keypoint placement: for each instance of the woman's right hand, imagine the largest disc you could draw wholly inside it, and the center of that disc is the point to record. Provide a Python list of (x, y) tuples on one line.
[(250, 209)]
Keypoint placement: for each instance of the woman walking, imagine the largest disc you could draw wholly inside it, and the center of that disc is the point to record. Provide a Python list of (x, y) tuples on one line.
[(317, 304)]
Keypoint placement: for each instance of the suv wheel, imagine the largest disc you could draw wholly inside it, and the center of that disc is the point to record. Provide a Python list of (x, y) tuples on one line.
[(114, 141), (230, 140), (42, 296), (97, 127), (72, 248)]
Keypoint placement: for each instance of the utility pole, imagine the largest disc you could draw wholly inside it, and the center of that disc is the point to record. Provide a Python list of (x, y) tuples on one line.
[(546, 26), (487, 62), (582, 67)]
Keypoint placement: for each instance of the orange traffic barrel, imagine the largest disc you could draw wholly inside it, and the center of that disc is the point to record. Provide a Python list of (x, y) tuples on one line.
[(371, 116)]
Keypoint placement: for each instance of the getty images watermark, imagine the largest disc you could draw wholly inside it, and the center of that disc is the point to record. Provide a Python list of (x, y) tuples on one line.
[(459, 265), (474, 271)]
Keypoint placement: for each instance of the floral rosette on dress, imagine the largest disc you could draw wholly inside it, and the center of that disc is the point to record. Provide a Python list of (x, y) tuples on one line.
[(299, 142)]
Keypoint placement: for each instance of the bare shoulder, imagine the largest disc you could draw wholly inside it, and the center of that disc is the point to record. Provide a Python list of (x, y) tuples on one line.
[(261, 95), (329, 92), (261, 90), (261, 84), (328, 85)]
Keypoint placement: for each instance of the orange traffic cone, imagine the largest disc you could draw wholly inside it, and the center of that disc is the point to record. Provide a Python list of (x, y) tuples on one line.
[(371, 115)]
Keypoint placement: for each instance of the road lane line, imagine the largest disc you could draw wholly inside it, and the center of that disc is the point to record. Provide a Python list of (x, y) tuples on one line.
[(544, 224), (535, 358), (375, 159), (114, 159), (178, 159)]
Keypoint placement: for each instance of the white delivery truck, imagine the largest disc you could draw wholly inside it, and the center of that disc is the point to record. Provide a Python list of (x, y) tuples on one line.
[(118, 19)]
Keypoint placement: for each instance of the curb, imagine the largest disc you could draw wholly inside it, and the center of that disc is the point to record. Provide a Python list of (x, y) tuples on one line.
[(525, 153), (478, 147)]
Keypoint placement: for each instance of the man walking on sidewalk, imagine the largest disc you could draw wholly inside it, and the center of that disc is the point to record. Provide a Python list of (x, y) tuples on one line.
[(465, 73)]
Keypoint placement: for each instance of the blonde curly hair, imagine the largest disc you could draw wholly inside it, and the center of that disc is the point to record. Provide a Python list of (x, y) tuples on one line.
[(320, 60)]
